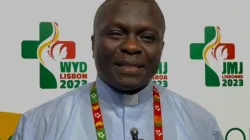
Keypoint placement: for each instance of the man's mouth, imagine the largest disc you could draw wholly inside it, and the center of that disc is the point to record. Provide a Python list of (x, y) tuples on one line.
[(130, 66)]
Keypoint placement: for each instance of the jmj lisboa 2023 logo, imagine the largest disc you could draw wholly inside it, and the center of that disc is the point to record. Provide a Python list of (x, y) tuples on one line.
[(161, 77), (220, 69), (57, 68)]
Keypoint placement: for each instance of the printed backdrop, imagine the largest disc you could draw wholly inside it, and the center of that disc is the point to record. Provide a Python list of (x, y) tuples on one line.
[(46, 51)]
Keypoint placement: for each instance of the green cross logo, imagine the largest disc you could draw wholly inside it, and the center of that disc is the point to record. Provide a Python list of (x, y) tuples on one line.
[(214, 53), (48, 49)]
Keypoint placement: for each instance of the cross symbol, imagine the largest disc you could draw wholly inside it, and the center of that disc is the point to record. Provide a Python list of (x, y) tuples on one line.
[(196, 53), (29, 51)]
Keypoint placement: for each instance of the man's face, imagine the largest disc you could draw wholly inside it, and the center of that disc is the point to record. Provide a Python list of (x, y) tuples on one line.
[(127, 44)]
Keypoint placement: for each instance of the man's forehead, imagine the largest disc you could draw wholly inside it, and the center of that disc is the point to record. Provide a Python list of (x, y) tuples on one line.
[(132, 10), (120, 4), (126, 1), (130, 19)]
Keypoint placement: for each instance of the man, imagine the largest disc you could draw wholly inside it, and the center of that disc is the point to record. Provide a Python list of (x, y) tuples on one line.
[(127, 45)]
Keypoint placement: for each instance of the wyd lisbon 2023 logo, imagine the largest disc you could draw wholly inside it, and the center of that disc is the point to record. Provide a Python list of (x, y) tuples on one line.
[(220, 69), (57, 68)]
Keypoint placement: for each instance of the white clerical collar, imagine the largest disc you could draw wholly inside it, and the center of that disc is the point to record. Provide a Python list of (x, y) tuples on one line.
[(109, 95), (130, 99)]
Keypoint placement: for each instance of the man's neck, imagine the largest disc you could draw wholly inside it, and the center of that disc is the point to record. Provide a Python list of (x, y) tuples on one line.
[(120, 97), (128, 92)]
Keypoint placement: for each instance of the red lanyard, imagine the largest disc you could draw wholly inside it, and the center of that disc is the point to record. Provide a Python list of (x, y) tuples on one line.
[(99, 124)]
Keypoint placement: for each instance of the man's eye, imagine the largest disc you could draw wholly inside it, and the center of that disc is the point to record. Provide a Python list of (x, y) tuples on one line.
[(115, 34), (148, 38)]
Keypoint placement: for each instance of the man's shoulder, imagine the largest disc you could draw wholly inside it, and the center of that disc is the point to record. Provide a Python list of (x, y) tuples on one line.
[(186, 107), (52, 114), (61, 104), (195, 117)]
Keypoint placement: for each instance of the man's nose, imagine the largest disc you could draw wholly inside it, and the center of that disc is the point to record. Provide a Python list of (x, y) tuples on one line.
[(131, 46)]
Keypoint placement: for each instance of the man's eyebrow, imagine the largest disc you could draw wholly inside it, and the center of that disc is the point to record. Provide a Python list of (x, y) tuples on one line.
[(147, 28), (121, 25)]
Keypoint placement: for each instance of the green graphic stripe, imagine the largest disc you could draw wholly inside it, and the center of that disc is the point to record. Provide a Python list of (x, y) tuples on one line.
[(47, 79), (157, 100), (94, 95), (211, 78), (101, 135), (158, 124)]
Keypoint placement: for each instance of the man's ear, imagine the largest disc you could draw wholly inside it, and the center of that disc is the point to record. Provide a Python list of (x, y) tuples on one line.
[(93, 44)]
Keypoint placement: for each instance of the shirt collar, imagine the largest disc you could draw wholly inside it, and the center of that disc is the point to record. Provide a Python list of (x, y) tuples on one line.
[(109, 95)]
